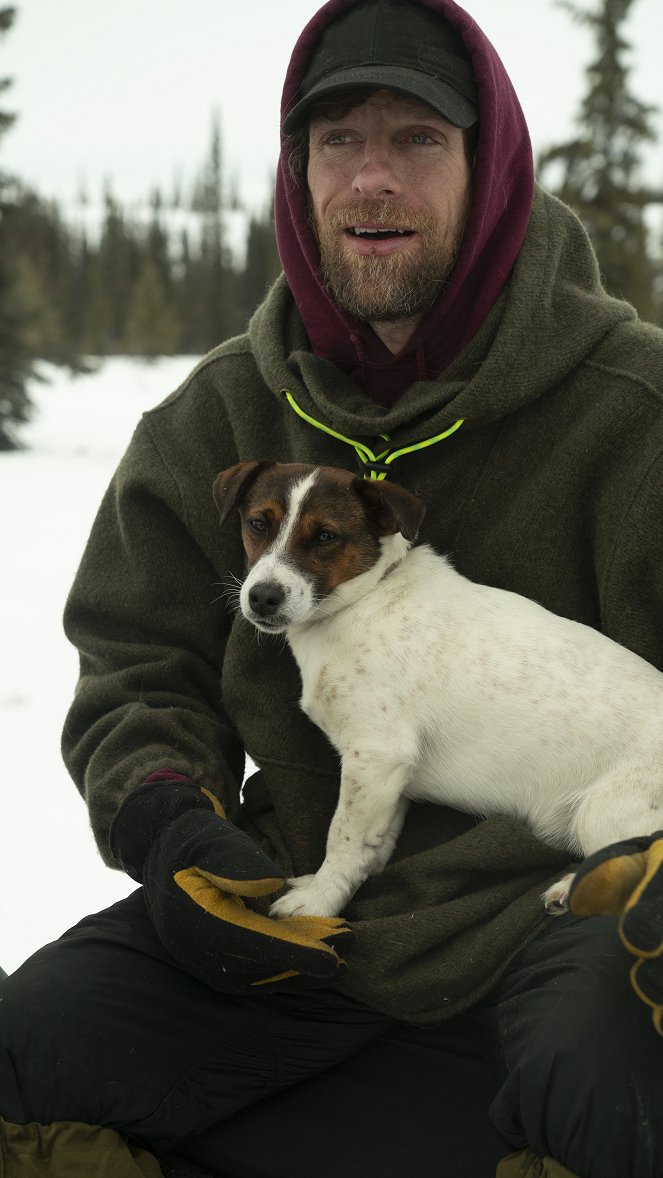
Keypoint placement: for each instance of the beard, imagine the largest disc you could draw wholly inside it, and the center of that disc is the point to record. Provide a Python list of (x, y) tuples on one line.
[(394, 287)]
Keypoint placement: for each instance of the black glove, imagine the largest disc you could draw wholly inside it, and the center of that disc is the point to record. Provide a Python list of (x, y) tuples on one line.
[(626, 880), (173, 837)]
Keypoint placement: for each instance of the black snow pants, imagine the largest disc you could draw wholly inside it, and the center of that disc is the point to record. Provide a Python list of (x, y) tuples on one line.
[(101, 1028)]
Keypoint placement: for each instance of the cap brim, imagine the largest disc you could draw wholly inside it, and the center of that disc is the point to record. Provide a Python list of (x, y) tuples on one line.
[(444, 99)]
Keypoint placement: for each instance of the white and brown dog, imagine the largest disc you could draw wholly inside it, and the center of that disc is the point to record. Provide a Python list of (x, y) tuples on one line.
[(435, 688)]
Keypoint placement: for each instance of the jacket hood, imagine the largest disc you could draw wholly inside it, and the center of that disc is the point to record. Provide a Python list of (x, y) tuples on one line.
[(501, 203)]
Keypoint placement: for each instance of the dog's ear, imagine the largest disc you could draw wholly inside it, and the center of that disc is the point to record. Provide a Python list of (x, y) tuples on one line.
[(391, 508), (232, 484)]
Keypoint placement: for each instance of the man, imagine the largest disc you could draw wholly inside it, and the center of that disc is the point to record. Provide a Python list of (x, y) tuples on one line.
[(440, 320)]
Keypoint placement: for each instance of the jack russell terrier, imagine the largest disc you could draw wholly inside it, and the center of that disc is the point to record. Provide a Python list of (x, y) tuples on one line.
[(433, 687)]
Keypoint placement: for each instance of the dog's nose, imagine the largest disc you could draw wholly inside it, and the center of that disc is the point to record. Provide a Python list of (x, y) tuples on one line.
[(265, 598)]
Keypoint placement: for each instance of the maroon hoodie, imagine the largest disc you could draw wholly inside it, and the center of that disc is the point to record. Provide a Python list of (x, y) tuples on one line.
[(501, 203)]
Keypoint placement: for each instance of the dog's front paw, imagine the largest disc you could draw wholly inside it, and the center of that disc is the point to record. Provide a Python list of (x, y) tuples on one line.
[(556, 898), (305, 898)]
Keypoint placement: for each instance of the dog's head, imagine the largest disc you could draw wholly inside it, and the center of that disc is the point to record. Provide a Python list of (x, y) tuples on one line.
[(308, 530)]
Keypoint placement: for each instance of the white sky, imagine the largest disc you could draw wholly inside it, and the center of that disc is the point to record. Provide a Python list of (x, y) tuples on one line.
[(125, 90)]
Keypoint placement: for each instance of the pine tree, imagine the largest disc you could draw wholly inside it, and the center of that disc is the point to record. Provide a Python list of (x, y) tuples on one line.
[(16, 362), (219, 314), (39, 250), (602, 166), (113, 270), (190, 293), (152, 328), (262, 261), (77, 287)]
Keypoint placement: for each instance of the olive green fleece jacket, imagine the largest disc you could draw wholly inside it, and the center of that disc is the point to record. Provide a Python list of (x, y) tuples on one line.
[(551, 487)]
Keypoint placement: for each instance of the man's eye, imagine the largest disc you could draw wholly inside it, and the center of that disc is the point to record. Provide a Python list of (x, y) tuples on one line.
[(257, 525)]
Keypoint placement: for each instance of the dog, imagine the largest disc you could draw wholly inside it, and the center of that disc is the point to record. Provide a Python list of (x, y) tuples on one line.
[(434, 688)]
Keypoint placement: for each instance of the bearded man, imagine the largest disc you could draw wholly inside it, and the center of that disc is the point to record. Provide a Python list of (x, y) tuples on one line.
[(442, 320)]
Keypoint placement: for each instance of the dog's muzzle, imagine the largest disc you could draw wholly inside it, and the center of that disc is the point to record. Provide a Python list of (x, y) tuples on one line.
[(273, 599), (265, 600)]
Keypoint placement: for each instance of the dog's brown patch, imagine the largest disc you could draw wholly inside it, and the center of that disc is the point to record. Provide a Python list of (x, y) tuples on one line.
[(340, 520), (331, 508), (264, 503)]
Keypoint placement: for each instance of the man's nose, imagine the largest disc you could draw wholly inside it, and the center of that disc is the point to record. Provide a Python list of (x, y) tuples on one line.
[(376, 178)]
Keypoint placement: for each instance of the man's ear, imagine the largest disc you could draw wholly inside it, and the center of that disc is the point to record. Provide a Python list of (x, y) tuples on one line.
[(232, 484), (391, 508)]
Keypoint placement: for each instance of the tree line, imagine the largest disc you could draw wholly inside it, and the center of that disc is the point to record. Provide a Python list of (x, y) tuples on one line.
[(159, 278), (170, 281)]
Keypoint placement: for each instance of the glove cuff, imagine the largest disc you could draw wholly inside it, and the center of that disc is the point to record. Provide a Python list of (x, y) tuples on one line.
[(147, 810)]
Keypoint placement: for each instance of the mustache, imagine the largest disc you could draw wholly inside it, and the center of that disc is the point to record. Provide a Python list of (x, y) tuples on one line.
[(382, 214)]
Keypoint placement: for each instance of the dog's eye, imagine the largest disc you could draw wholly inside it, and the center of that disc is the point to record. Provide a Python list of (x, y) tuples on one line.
[(325, 536), (257, 525)]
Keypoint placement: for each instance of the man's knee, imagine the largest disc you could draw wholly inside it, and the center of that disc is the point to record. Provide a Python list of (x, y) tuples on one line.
[(72, 1024), (57, 1062), (583, 1061), (593, 1106)]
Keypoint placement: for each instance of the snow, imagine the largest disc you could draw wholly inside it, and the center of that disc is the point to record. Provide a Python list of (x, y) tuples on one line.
[(50, 871)]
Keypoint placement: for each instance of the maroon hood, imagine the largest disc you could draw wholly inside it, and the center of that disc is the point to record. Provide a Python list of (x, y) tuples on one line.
[(502, 199)]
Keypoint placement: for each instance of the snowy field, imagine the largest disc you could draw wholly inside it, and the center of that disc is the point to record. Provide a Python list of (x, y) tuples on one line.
[(50, 871)]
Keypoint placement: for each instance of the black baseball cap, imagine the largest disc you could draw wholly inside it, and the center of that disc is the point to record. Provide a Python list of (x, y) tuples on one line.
[(391, 45)]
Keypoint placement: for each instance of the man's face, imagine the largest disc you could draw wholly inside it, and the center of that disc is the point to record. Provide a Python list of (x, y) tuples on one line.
[(393, 165)]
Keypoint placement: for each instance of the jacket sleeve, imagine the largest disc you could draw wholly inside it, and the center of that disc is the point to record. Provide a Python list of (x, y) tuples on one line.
[(146, 613)]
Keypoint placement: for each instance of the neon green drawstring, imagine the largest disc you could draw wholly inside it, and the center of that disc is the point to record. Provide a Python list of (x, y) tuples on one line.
[(378, 464)]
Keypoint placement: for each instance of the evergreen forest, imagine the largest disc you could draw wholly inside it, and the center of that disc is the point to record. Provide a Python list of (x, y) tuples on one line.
[(161, 277)]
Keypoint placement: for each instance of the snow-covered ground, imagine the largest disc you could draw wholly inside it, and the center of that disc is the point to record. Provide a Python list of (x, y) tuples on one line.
[(50, 871)]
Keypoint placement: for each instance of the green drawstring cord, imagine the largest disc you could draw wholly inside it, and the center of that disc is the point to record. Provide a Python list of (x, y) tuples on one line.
[(377, 464)]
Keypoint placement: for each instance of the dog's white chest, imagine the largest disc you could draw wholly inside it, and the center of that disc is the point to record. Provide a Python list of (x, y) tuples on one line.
[(330, 692)]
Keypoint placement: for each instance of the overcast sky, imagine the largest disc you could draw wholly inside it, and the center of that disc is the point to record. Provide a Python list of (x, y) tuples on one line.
[(125, 90)]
